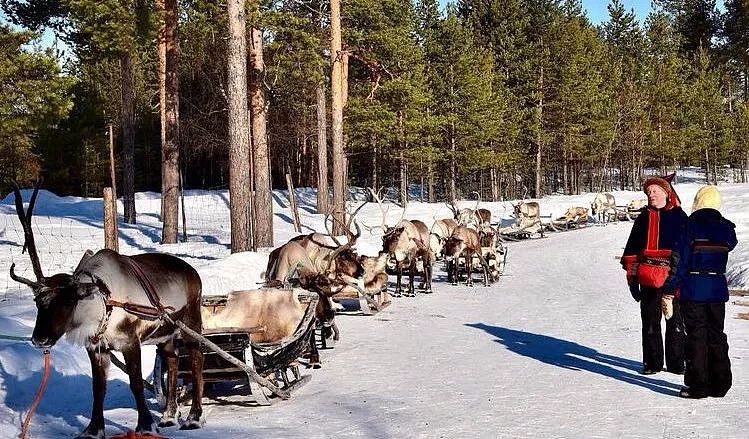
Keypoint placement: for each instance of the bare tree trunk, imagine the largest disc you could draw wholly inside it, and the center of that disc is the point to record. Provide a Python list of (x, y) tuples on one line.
[(161, 46), (322, 151), (337, 102), (565, 173), (494, 183), (128, 136), (262, 197), (539, 139), (239, 141), (403, 192), (375, 165), (170, 148), (453, 166), (430, 181)]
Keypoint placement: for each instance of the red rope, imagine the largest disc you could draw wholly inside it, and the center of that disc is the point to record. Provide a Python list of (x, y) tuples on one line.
[(37, 398)]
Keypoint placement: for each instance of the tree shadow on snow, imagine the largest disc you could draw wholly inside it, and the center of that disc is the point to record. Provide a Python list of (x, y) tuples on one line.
[(67, 397), (570, 355)]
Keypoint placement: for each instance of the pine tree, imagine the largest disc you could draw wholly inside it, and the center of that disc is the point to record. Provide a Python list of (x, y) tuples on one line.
[(39, 99)]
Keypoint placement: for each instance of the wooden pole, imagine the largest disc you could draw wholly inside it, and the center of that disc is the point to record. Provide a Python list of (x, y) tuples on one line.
[(182, 199), (110, 222), (113, 194), (292, 203), (112, 174)]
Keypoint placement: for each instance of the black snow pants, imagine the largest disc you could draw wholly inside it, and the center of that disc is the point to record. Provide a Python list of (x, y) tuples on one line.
[(708, 366), (652, 340)]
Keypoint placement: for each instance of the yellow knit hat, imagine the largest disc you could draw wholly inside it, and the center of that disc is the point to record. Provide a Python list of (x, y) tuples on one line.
[(707, 197)]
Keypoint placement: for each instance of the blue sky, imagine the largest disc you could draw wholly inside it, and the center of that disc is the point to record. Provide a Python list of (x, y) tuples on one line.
[(598, 13)]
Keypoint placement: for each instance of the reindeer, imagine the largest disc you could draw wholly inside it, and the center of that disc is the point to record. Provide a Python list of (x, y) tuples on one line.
[(528, 217), (467, 217), (318, 266), (313, 257), (374, 279), (604, 207), (464, 242), (116, 302), (407, 244), (473, 218), (438, 234)]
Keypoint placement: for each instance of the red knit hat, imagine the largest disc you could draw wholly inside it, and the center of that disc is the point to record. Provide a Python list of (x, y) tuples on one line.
[(665, 184)]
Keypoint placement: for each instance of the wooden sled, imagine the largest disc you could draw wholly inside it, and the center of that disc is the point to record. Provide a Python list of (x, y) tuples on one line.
[(237, 370)]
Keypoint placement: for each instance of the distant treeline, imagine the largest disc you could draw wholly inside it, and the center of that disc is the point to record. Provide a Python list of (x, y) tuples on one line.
[(505, 97)]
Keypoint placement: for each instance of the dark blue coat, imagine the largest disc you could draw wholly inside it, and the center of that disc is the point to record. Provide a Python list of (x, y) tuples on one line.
[(671, 227), (699, 264)]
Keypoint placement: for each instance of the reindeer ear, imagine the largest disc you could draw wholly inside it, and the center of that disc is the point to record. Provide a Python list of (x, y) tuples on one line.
[(86, 256)]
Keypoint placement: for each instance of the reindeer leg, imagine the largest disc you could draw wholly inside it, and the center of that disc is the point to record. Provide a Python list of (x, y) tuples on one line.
[(398, 290), (169, 417), (454, 264), (99, 366), (195, 417), (314, 354), (428, 275), (469, 267), (411, 270), (146, 423)]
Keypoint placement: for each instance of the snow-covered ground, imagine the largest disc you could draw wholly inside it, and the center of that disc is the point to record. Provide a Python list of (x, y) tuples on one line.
[(550, 350)]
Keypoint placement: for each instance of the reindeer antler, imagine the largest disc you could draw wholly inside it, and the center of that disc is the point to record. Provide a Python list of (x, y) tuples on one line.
[(453, 208), (28, 234), (351, 237), (377, 196)]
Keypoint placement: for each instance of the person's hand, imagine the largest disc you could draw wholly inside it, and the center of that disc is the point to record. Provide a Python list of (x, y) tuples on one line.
[(667, 305), (634, 290)]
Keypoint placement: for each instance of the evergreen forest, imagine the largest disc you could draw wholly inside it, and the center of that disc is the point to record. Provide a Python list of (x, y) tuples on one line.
[(507, 98)]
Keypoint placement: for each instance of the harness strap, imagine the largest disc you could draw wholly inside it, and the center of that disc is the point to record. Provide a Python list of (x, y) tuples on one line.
[(148, 288)]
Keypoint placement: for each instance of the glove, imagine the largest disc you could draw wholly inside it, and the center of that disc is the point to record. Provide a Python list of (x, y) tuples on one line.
[(634, 290), (667, 306)]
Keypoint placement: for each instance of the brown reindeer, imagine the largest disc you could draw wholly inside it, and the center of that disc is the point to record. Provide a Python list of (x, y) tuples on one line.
[(375, 278), (115, 302), (464, 242), (438, 234), (311, 255), (407, 244), (314, 264)]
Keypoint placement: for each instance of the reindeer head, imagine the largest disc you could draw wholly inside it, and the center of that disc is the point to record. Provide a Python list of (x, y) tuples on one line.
[(395, 242), (59, 308), (57, 296), (454, 247), (344, 266)]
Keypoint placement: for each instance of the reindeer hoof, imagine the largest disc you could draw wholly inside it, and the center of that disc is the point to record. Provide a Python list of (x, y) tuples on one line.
[(91, 433), (191, 423), (167, 422)]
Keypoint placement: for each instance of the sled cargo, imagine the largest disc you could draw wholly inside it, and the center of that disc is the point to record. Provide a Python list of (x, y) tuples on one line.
[(258, 371)]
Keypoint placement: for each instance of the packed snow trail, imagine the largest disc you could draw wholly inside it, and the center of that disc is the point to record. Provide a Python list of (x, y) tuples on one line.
[(551, 350)]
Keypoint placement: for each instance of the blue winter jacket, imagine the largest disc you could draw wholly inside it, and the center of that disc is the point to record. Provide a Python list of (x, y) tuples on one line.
[(700, 258)]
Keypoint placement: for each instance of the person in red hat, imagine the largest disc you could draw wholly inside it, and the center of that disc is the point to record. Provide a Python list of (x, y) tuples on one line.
[(646, 259)]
